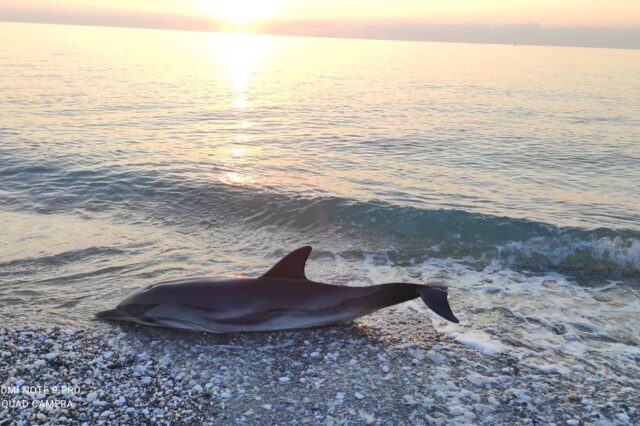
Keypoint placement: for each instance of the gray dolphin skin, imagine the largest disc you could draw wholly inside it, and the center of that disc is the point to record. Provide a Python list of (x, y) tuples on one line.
[(281, 299)]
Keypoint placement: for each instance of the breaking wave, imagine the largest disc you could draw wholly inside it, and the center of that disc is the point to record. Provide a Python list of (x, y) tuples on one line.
[(416, 232)]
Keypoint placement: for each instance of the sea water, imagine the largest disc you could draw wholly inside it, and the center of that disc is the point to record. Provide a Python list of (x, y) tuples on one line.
[(509, 173)]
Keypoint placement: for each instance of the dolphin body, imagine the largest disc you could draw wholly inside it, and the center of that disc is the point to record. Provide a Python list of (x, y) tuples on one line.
[(283, 298)]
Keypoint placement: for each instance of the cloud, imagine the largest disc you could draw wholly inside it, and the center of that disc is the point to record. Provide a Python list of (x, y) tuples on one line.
[(102, 17), (529, 33)]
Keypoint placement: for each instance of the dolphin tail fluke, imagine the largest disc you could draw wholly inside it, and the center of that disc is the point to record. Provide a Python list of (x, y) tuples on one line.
[(436, 299)]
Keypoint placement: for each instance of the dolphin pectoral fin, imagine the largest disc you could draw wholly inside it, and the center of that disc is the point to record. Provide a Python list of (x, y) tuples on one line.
[(291, 266), (436, 299)]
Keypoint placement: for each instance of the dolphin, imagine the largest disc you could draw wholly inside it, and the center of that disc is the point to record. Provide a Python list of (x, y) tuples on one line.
[(281, 299)]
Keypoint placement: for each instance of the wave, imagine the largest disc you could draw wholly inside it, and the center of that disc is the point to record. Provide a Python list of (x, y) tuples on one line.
[(415, 233)]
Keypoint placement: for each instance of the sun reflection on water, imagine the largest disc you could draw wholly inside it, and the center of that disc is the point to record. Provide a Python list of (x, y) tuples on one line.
[(234, 178), (241, 55), (237, 152)]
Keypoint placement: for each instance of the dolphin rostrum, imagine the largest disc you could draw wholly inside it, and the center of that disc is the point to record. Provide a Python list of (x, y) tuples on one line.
[(283, 298)]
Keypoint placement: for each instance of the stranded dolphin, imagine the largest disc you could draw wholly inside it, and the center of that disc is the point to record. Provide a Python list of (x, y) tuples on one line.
[(283, 298)]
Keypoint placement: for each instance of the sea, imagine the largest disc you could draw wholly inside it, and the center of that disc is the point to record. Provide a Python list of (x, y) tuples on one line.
[(509, 173)]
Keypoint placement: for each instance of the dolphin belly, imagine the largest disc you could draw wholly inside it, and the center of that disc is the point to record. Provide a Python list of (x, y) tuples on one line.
[(212, 321)]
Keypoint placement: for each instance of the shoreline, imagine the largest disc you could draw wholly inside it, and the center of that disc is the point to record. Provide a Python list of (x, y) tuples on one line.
[(349, 374)]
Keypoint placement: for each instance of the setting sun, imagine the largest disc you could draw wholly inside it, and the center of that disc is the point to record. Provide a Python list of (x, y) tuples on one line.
[(239, 14)]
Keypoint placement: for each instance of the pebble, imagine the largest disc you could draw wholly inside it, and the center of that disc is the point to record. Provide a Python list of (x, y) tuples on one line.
[(456, 410), (409, 399), (623, 417), (367, 418), (573, 397), (417, 354), (123, 379)]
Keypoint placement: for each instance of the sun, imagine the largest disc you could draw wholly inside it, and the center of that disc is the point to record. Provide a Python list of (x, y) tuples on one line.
[(240, 14)]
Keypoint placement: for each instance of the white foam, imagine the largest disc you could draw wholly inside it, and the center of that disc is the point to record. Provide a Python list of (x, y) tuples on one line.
[(624, 252), (480, 380), (554, 368), (546, 321), (477, 339)]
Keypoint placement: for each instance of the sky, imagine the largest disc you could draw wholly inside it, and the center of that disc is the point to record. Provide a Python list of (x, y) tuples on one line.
[(599, 23)]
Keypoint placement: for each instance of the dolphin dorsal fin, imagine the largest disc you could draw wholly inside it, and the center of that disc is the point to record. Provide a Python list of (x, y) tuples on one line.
[(291, 266)]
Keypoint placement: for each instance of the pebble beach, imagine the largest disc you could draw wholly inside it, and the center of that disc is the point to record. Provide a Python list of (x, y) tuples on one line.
[(386, 369)]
